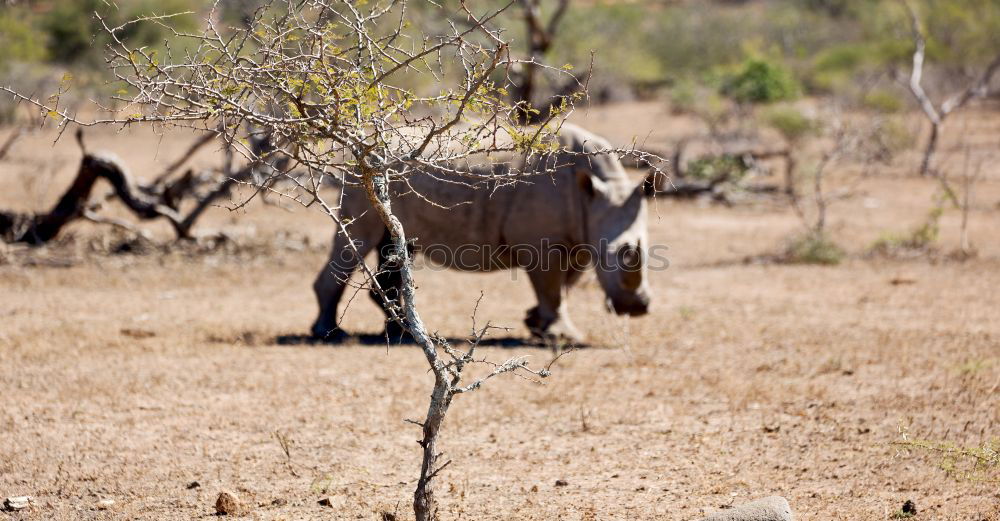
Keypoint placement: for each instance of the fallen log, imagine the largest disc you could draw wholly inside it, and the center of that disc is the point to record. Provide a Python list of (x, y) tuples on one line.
[(684, 183), (39, 229), (161, 199)]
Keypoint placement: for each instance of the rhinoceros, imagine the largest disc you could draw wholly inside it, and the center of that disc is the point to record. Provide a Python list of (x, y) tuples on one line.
[(580, 211)]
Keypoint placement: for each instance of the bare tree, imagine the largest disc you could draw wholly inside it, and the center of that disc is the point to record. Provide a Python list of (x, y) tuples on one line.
[(963, 200), (968, 186), (821, 200), (341, 71), (541, 35), (541, 26), (937, 114), (851, 142)]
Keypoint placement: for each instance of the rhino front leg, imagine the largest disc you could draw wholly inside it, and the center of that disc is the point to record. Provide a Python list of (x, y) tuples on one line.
[(329, 288), (332, 279), (549, 320)]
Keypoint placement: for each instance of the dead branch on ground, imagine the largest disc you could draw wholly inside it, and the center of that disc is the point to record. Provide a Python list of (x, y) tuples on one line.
[(160, 199), (39, 229), (743, 155)]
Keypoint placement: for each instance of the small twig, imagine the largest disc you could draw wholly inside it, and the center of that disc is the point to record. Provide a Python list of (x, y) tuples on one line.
[(183, 158), (13, 138)]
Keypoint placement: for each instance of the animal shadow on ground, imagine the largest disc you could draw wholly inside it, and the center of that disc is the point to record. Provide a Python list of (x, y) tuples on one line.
[(380, 340)]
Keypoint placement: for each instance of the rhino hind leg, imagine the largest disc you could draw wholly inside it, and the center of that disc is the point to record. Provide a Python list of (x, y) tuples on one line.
[(549, 321), (390, 281)]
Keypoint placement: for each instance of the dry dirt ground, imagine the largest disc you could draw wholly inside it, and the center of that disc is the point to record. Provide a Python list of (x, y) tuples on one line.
[(131, 376)]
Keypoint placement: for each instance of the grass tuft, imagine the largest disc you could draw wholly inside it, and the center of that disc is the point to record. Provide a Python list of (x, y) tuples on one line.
[(814, 248)]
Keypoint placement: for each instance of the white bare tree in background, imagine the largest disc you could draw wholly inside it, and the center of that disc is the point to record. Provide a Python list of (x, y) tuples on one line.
[(331, 82), (977, 87)]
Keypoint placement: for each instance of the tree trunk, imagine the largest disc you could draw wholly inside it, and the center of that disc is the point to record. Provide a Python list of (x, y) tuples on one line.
[(424, 503), (425, 507), (526, 95), (925, 165)]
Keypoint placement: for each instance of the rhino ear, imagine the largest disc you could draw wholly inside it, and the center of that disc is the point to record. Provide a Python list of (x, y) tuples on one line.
[(591, 185)]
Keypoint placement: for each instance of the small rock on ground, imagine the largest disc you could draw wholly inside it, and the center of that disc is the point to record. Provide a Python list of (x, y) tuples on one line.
[(331, 501), (15, 503), (774, 508), (228, 504)]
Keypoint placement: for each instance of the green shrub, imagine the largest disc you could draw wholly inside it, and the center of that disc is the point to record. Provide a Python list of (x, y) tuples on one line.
[(684, 96), (760, 81), (687, 40), (691, 98), (814, 248), (790, 122), (71, 28), (715, 168), (891, 137), (975, 463), (75, 33), (19, 40), (835, 8), (928, 232), (847, 57), (883, 101), (919, 240), (835, 68)]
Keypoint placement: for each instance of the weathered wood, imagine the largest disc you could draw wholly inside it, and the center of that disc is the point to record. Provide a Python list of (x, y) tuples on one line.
[(680, 185), (161, 199), (42, 228), (202, 140)]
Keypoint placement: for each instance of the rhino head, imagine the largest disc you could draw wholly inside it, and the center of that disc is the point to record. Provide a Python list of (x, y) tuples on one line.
[(615, 230)]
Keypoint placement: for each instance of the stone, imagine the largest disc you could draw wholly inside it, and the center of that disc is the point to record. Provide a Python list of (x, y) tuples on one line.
[(774, 508), (15, 503), (331, 501), (228, 505)]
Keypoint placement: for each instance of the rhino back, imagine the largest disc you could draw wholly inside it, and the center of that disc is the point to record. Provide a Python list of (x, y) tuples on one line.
[(479, 225), (450, 210)]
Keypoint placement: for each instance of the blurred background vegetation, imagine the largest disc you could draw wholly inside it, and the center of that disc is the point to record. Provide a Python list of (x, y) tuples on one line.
[(749, 51)]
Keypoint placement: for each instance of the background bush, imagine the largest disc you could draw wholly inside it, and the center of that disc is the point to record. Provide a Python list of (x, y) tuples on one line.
[(755, 51), (761, 81)]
